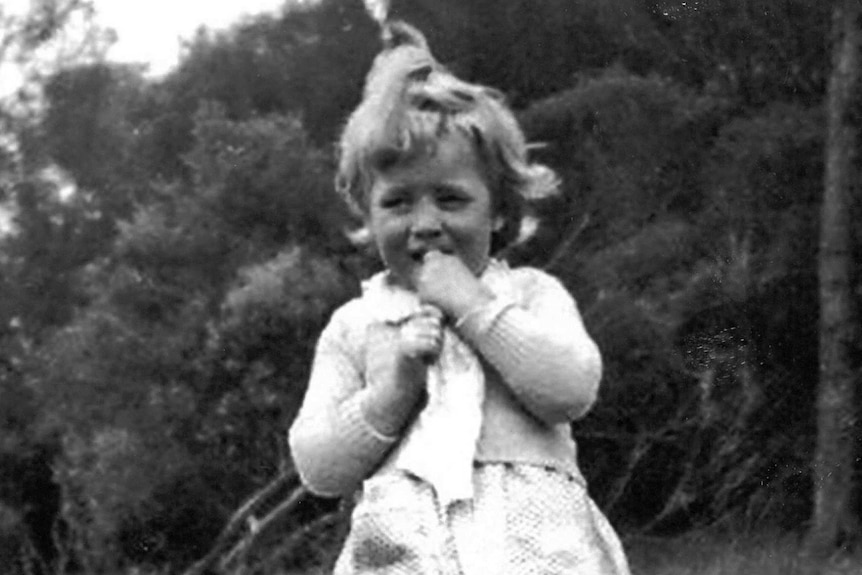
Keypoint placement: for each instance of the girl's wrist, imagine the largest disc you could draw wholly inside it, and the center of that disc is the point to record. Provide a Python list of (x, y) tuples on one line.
[(476, 300), (478, 319), (392, 403)]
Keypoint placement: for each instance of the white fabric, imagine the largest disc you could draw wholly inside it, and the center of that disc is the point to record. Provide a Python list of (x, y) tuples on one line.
[(440, 445)]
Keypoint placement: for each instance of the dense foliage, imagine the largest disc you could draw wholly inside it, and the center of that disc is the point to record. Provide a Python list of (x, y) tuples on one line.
[(156, 324)]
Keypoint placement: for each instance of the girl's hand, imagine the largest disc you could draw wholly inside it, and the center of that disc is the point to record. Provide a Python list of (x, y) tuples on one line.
[(444, 281), (422, 335)]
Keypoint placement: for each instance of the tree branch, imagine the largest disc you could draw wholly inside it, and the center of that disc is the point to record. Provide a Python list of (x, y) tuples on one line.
[(240, 519), (566, 244), (257, 529)]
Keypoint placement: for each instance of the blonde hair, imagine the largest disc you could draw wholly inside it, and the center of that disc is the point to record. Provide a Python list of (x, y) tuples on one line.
[(410, 103)]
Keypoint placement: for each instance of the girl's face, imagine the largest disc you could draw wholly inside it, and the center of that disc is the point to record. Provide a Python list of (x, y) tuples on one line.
[(438, 202)]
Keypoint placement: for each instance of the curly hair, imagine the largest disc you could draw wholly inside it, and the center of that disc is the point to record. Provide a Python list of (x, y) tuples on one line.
[(410, 103)]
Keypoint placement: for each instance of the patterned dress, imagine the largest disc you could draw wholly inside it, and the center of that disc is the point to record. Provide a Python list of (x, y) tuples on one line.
[(523, 520)]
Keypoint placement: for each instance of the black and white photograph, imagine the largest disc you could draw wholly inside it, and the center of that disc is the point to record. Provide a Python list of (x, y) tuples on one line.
[(430, 287)]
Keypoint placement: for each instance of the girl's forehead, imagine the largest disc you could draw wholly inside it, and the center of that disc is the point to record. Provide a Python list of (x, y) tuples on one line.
[(452, 149)]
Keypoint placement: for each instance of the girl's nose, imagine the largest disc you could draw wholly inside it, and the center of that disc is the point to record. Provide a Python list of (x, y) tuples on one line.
[(426, 221)]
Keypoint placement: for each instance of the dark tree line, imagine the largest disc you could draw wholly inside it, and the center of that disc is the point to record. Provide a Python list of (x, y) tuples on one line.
[(156, 324)]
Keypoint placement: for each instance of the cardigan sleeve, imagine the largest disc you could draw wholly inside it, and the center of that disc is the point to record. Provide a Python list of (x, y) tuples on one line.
[(540, 347), (334, 447)]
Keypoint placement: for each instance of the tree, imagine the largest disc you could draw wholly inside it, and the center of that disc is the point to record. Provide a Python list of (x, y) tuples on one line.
[(755, 50), (693, 256), (38, 254), (204, 309), (51, 235), (33, 45), (836, 402)]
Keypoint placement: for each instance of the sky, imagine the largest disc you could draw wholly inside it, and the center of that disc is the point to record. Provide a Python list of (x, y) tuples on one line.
[(150, 31)]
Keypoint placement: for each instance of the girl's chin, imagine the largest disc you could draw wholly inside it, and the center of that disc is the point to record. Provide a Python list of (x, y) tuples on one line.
[(402, 276)]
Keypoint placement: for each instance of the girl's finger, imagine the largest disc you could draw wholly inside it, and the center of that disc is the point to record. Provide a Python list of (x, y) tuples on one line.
[(426, 324), (424, 339), (428, 340), (428, 310), (425, 348), (427, 335), (431, 255)]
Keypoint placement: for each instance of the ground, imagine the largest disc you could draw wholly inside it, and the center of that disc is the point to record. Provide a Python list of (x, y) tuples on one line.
[(726, 554)]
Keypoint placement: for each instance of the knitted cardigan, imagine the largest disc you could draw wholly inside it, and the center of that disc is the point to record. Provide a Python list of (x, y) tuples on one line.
[(542, 371)]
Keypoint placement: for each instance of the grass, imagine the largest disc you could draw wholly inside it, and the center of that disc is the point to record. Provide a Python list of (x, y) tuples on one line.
[(712, 553), (723, 554)]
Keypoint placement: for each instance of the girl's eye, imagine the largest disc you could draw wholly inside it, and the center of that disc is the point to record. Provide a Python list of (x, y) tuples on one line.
[(393, 202), (451, 199)]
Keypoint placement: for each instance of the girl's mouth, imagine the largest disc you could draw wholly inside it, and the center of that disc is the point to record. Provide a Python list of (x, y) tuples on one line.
[(418, 255)]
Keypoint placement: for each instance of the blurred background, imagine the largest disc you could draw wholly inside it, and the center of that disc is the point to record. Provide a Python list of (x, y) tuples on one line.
[(171, 246)]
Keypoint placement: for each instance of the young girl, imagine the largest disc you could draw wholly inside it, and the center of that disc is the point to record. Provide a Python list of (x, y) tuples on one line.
[(444, 393)]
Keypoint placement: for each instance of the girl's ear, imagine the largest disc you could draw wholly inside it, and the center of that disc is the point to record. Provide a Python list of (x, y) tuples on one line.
[(499, 222)]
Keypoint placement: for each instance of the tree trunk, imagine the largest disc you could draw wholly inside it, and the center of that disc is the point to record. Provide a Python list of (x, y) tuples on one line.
[(833, 517)]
